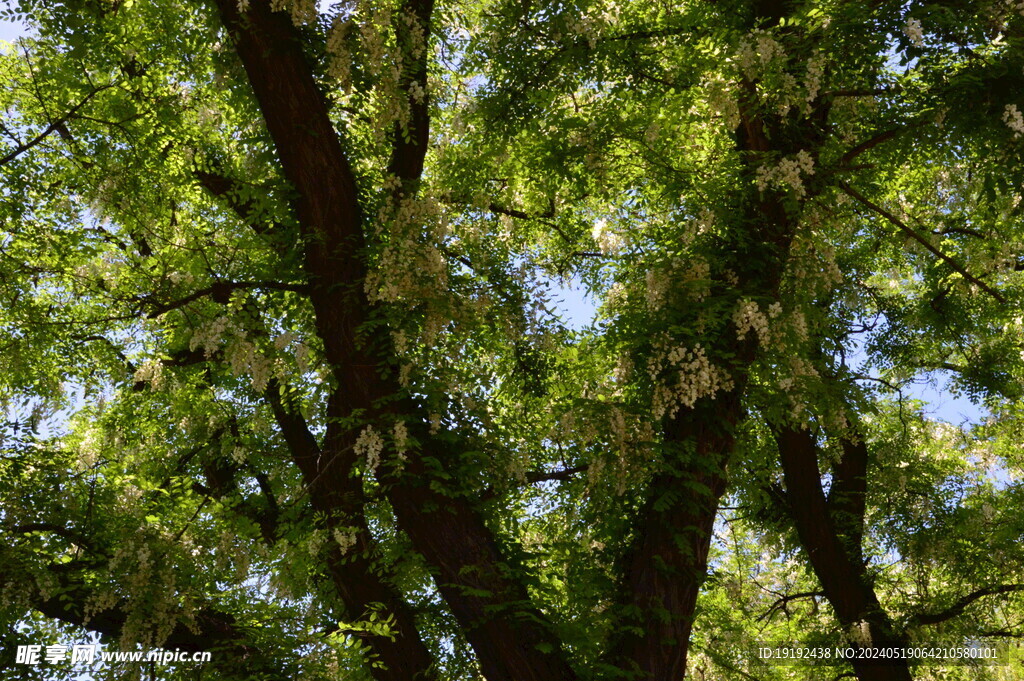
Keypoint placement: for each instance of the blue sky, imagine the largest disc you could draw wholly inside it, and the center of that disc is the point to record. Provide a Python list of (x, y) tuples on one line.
[(10, 30)]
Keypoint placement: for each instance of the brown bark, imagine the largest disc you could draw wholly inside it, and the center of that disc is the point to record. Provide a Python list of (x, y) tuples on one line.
[(328, 211), (820, 524), (508, 635), (511, 637), (668, 562), (359, 581)]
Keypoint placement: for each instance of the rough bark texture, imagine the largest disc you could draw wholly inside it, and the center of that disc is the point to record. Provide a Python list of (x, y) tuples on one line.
[(509, 636), (328, 211), (669, 560), (839, 567)]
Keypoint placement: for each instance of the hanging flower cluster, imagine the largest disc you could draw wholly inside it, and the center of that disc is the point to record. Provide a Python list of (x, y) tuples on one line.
[(608, 241), (913, 30), (788, 174), (723, 104), (345, 538), (757, 52), (682, 376), (339, 59), (815, 73), (748, 316), (411, 267), (1014, 120), (370, 444)]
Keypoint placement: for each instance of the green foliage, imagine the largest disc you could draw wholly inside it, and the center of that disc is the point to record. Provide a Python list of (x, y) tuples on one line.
[(787, 217)]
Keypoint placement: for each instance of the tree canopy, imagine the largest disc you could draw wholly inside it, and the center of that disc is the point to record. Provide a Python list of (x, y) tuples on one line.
[(286, 377)]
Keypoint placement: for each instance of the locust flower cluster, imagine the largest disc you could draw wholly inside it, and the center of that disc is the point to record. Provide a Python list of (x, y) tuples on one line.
[(370, 445), (788, 174), (608, 241), (913, 30), (682, 376), (1014, 120)]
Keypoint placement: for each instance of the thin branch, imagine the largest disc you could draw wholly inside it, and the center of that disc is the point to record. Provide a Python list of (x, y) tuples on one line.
[(56, 126), (961, 605), (521, 215), (564, 474), (855, 93), (541, 476), (226, 189), (221, 291), (412, 32), (781, 603), (114, 348), (873, 142), (909, 231), (960, 230), (59, 530)]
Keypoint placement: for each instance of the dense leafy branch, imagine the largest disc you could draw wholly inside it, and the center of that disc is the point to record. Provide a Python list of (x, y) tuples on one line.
[(913, 234)]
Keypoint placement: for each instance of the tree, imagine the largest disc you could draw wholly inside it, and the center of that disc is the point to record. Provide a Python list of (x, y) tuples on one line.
[(285, 382)]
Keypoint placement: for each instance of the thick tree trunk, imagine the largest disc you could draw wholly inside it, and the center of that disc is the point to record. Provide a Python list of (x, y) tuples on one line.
[(509, 635), (668, 563), (836, 556)]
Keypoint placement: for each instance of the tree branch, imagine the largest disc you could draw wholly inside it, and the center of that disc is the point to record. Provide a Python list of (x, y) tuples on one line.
[(412, 31), (227, 190), (781, 603), (221, 293), (59, 530), (873, 142), (56, 126), (959, 606), (510, 640), (540, 476), (909, 231)]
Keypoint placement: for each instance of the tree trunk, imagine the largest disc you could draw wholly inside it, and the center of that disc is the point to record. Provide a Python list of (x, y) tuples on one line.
[(835, 557)]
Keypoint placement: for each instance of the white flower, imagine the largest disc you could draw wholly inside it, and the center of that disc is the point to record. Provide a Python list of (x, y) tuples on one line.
[(690, 376), (302, 11), (1014, 120), (757, 51), (282, 341), (339, 64), (788, 173), (609, 242), (722, 101), (657, 285), (346, 540), (815, 71), (370, 445), (914, 32), (150, 372), (748, 316), (401, 437), (860, 634)]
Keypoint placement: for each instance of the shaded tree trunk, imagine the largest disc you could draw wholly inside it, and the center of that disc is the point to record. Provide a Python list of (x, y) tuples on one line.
[(831, 530), (509, 636)]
